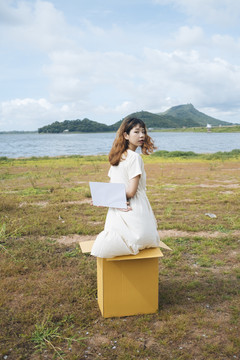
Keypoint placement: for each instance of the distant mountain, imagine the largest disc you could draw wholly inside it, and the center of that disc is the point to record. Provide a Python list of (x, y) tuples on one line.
[(161, 121), (188, 112), (176, 117)]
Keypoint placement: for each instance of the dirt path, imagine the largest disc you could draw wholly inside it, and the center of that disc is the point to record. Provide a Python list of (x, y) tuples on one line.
[(164, 234)]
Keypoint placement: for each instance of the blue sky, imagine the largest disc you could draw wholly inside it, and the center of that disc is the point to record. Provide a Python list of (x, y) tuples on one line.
[(106, 59)]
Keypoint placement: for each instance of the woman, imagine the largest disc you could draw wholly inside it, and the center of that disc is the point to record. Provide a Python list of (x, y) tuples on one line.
[(128, 231)]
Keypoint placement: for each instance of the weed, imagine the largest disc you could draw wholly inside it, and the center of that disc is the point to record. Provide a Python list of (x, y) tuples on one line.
[(73, 253), (46, 333), (32, 179)]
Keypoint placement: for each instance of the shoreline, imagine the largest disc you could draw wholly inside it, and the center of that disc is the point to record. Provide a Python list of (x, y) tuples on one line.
[(214, 129), (235, 153)]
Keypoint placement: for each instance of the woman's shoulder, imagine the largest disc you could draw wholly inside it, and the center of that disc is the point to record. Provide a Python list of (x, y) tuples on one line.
[(133, 154), (129, 158), (133, 159)]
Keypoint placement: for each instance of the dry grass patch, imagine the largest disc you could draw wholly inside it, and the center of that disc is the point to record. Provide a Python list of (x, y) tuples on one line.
[(48, 287)]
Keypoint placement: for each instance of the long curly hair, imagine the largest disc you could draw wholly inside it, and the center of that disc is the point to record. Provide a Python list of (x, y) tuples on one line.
[(120, 144)]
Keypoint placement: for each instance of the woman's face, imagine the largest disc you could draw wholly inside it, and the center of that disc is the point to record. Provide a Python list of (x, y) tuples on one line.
[(136, 137)]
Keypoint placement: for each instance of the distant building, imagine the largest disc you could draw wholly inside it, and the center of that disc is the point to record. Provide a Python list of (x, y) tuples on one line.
[(209, 127)]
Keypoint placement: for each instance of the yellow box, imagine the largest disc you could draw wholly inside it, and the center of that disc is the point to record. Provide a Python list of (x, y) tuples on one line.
[(127, 285)]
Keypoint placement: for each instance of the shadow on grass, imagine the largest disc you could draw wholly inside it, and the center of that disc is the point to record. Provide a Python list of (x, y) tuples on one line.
[(212, 290)]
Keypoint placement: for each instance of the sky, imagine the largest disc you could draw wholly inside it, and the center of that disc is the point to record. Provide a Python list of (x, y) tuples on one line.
[(104, 59)]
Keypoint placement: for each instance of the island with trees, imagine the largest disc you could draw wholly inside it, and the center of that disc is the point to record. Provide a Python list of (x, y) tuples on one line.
[(177, 118)]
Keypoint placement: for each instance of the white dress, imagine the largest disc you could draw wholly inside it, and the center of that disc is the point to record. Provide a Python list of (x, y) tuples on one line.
[(125, 233)]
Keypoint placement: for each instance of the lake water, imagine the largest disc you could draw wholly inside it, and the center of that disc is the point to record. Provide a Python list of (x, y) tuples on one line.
[(34, 144)]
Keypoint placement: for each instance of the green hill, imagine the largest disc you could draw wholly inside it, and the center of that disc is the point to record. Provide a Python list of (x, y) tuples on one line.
[(84, 125), (188, 112), (161, 121), (176, 117)]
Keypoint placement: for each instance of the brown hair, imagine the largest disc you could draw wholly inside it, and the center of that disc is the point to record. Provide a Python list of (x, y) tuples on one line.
[(120, 144)]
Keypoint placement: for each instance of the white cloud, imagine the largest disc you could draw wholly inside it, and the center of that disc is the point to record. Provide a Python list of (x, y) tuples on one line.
[(148, 83), (24, 114), (188, 77), (86, 79), (188, 37), (224, 12), (30, 114), (76, 74), (16, 16), (37, 25)]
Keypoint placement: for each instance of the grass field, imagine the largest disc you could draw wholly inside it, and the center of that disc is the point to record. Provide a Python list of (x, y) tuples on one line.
[(48, 306)]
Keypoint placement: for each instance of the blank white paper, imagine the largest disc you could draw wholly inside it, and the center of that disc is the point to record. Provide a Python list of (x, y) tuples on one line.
[(108, 194)]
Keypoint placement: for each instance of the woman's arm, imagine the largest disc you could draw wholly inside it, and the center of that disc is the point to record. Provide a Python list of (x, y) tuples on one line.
[(132, 187)]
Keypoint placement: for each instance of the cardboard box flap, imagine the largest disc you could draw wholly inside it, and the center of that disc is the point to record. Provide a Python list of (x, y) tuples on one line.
[(86, 246), (164, 246), (143, 254)]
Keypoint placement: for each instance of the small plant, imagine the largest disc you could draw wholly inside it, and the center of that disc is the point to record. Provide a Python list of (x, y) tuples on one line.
[(73, 253), (32, 180), (46, 333)]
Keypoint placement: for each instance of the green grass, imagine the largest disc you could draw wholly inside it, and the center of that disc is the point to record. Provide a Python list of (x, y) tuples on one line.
[(48, 306), (214, 129), (220, 155)]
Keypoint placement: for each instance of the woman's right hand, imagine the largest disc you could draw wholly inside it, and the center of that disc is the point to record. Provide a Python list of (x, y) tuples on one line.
[(128, 207)]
